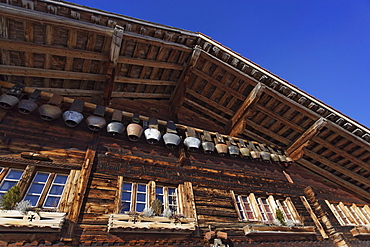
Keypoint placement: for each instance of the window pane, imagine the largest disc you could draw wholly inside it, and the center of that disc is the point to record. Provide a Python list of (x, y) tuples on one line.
[(126, 196), (126, 186), (36, 188), (32, 199), (159, 197), (159, 190), (14, 174), (7, 185), (41, 177), (60, 179), (52, 202), (141, 188), (56, 190), (140, 207), (141, 197)]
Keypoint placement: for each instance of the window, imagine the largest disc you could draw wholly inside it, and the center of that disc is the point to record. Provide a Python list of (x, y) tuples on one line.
[(42, 189), (138, 196), (12, 178), (263, 209), (46, 185), (350, 215)]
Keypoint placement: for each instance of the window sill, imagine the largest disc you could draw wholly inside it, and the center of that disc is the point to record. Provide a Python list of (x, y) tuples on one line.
[(361, 231), (278, 230), (13, 220), (125, 223)]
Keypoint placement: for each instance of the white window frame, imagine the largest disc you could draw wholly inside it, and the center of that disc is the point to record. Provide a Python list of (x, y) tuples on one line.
[(261, 207), (350, 215), (8, 179)]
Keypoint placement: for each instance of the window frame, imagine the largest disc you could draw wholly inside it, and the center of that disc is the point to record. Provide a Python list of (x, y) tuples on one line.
[(258, 206), (350, 215)]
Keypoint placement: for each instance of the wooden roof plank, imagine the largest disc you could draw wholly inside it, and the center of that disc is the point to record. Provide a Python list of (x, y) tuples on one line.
[(206, 111), (123, 79), (154, 64)]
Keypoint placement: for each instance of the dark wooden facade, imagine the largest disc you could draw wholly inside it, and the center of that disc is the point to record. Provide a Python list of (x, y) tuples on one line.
[(170, 74)]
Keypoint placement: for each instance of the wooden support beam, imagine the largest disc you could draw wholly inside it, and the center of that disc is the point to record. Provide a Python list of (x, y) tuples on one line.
[(12, 12), (178, 96), (306, 136), (45, 73), (206, 111), (338, 168), (233, 127), (268, 132), (116, 44), (122, 79), (140, 95), (313, 216), (82, 183), (109, 83), (149, 63), (15, 45), (330, 176)]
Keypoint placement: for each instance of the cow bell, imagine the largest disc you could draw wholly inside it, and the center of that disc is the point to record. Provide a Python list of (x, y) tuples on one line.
[(207, 143), (51, 110), (171, 139), (116, 127), (243, 149), (96, 122), (26, 106), (221, 147), (152, 134), (255, 154), (73, 116), (134, 130), (232, 147), (10, 99), (265, 155), (191, 141)]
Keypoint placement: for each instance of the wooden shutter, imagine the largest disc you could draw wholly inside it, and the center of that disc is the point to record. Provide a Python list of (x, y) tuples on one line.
[(236, 204), (334, 210), (255, 207), (67, 199), (294, 212), (150, 194)]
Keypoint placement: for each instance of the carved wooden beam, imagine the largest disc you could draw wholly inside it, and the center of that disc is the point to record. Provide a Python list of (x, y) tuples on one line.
[(12, 11), (238, 121), (115, 47), (178, 95), (306, 136)]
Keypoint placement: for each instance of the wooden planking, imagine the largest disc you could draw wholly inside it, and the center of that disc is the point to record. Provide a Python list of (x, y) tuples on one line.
[(140, 81), (148, 63)]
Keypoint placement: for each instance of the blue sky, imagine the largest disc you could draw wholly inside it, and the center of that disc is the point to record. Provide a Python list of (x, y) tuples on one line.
[(321, 46)]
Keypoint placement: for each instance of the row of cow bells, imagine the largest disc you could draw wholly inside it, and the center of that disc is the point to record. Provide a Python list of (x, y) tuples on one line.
[(232, 147)]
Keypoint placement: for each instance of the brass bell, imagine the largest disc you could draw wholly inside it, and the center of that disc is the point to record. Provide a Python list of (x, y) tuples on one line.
[(255, 154), (96, 122), (221, 147), (232, 147), (51, 110), (265, 155), (73, 116), (26, 106), (116, 127), (134, 130), (244, 150)]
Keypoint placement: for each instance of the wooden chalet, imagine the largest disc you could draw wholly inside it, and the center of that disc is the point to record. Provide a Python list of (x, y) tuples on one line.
[(225, 152)]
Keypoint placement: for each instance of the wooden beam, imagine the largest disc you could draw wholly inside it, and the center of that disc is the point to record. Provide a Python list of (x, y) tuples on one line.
[(233, 127), (116, 44), (45, 73), (178, 96), (15, 45), (155, 41), (82, 183), (140, 95), (122, 79), (206, 111), (342, 153), (338, 168), (149, 63), (109, 83), (339, 181), (307, 135), (255, 137), (14, 12), (314, 217), (268, 132)]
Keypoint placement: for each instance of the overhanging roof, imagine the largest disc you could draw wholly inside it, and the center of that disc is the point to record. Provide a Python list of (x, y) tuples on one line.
[(125, 63)]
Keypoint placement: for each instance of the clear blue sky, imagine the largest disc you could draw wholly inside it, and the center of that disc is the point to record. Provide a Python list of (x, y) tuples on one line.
[(321, 46)]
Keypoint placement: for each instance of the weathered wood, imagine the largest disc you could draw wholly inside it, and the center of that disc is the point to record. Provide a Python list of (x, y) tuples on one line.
[(122, 79), (26, 14), (314, 217), (307, 135), (45, 73), (240, 114), (26, 179), (148, 63), (178, 95)]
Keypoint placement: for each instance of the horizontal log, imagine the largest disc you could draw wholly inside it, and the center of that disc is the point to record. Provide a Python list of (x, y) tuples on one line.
[(149, 63), (139, 81), (46, 73)]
